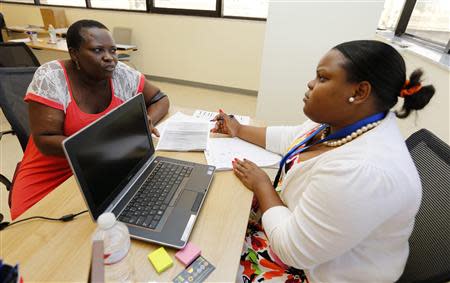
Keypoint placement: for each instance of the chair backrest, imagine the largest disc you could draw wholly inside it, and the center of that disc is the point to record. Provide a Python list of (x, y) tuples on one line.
[(17, 54), (2, 28), (2, 21), (122, 35), (429, 256), (13, 87), (55, 17)]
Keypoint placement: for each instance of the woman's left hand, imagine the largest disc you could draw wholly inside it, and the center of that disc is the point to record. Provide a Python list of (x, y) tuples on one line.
[(153, 129), (250, 174)]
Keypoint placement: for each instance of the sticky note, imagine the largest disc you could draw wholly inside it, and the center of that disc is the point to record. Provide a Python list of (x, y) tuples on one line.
[(160, 259), (188, 254)]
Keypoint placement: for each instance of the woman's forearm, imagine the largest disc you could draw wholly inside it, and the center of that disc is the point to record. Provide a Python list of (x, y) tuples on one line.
[(50, 145), (255, 135), (158, 110), (267, 197)]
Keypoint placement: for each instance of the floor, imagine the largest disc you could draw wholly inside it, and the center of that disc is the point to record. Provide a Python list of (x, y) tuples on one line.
[(180, 95)]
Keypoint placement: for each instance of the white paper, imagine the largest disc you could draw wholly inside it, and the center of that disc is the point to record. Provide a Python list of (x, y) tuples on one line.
[(184, 136), (176, 117), (20, 40), (61, 30), (222, 151), (125, 46), (207, 116)]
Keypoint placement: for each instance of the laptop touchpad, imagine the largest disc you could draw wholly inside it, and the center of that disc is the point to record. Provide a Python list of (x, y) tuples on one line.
[(199, 180)]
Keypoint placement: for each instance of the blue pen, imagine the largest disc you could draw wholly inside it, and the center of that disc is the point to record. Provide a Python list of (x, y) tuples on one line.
[(231, 116)]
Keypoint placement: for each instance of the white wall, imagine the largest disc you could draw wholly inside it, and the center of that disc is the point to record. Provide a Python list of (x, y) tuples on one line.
[(298, 34), (217, 51)]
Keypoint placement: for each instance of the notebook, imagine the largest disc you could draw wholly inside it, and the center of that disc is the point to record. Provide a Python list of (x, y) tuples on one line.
[(114, 163)]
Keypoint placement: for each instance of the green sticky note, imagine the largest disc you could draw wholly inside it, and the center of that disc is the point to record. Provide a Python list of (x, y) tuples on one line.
[(160, 259)]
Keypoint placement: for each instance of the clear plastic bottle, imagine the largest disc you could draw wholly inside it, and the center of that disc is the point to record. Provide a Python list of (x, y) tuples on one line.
[(116, 245), (52, 34)]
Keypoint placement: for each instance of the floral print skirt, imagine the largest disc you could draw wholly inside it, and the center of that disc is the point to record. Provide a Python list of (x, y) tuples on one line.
[(259, 263)]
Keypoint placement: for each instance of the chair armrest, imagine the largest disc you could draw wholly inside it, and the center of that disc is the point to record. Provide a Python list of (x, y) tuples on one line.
[(6, 132), (5, 182)]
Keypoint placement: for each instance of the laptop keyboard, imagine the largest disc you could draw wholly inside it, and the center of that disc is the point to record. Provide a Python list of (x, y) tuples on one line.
[(151, 201)]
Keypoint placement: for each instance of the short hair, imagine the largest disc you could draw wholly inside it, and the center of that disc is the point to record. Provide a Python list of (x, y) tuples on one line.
[(74, 37), (384, 68)]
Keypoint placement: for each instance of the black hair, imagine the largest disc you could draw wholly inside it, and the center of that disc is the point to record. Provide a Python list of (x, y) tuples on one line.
[(74, 37), (384, 68)]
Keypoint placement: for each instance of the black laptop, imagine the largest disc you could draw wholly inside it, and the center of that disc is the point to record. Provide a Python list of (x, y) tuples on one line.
[(114, 163)]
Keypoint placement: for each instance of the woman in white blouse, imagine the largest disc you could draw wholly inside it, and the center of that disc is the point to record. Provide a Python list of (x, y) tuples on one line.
[(343, 204)]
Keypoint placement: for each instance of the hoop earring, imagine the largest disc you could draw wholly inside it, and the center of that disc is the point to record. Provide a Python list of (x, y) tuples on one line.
[(351, 99)]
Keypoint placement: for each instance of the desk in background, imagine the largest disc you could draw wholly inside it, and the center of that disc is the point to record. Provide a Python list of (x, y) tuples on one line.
[(39, 30), (61, 45), (56, 251)]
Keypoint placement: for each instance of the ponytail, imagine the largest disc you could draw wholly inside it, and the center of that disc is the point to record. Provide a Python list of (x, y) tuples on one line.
[(415, 95)]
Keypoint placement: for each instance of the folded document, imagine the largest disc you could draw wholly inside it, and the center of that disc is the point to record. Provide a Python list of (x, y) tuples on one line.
[(184, 136), (222, 151)]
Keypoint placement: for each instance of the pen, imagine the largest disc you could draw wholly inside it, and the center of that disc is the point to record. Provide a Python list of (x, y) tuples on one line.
[(231, 116)]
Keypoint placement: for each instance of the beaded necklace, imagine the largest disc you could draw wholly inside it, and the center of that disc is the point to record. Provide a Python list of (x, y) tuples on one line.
[(349, 137)]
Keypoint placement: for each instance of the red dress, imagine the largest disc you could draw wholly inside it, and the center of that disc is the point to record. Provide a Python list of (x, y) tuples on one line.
[(39, 174)]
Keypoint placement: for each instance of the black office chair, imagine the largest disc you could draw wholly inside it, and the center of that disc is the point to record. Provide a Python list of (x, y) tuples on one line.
[(2, 28), (17, 54), (13, 86), (429, 256)]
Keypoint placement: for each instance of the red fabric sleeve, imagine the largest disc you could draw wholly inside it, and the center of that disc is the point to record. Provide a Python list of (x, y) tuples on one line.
[(36, 98), (141, 84)]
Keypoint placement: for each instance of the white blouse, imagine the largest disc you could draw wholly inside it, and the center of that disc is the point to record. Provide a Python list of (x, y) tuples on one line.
[(350, 211), (50, 84)]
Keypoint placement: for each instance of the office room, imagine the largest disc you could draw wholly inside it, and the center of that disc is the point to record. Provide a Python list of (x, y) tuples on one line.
[(235, 70)]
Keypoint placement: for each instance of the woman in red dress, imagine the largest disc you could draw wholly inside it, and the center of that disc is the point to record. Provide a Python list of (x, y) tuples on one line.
[(65, 96)]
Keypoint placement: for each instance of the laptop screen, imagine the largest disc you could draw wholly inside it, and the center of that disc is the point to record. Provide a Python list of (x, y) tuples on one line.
[(108, 153)]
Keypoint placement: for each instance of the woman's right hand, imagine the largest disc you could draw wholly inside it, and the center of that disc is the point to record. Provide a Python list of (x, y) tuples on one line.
[(226, 124)]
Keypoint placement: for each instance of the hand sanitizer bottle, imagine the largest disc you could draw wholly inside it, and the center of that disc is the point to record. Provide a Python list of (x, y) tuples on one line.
[(52, 33)]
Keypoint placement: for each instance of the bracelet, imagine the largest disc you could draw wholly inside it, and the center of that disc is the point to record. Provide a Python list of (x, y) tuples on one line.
[(158, 96)]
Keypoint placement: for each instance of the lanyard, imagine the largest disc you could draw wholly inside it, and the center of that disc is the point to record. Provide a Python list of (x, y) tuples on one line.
[(298, 148)]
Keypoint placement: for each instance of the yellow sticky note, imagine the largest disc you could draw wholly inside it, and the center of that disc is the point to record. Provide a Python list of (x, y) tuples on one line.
[(160, 259)]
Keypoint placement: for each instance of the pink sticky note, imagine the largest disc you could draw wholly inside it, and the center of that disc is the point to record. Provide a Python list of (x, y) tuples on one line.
[(188, 254)]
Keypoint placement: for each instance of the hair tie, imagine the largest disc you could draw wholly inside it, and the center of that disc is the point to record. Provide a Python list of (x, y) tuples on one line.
[(407, 91)]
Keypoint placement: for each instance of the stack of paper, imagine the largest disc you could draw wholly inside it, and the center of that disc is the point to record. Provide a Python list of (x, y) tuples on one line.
[(222, 151), (183, 132), (176, 117), (184, 136)]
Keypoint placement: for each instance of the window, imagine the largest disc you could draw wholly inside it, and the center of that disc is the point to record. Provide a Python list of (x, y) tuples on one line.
[(391, 13), (424, 21), (138, 5), (186, 4), (22, 1), (246, 8), (76, 3), (430, 21)]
